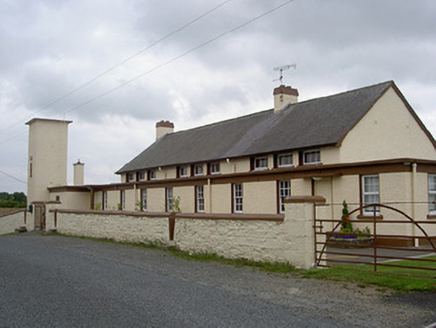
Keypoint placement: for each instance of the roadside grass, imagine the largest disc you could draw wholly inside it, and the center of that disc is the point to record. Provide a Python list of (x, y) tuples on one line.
[(399, 279), (274, 267)]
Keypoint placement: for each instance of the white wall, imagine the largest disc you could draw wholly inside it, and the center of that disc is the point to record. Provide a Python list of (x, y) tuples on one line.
[(387, 131), (10, 222)]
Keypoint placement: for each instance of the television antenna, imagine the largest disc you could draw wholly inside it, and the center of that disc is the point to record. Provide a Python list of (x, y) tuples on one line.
[(281, 69)]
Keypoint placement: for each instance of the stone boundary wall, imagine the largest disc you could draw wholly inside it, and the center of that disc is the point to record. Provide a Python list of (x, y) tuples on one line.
[(10, 222), (256, 237), (111, 225)]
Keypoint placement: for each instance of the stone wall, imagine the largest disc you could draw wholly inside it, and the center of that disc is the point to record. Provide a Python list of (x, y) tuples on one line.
[(262, 239), (10, 222), (116, 226), (259, 237)]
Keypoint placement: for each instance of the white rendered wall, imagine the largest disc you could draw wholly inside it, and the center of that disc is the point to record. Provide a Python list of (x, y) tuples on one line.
[(47, 157)]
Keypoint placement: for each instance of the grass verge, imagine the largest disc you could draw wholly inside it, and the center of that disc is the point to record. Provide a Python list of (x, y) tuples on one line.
[(399, 279)]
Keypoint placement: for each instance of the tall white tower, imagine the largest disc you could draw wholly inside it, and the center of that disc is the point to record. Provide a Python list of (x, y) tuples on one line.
[(47, 161)]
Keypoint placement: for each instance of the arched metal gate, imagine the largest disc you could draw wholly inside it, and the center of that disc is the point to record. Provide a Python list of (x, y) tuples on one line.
[(378, 247)]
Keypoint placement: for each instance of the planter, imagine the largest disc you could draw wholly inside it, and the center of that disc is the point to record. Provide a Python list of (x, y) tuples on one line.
[(350, 241)]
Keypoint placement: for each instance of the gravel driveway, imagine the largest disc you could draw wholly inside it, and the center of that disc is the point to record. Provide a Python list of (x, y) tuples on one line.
[(59, 281)]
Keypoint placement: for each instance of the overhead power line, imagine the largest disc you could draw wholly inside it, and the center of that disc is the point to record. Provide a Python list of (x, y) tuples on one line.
[(95, 78), (12, 177), (169, 61), (180, 56)]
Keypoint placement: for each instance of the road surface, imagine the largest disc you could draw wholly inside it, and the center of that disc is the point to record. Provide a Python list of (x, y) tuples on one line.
[(52, 281)]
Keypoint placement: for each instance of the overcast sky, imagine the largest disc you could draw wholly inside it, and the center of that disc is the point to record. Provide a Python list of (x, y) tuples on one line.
[(210, 67)]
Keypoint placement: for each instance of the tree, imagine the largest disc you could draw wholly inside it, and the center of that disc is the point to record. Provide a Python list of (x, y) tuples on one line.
[(17, 199)]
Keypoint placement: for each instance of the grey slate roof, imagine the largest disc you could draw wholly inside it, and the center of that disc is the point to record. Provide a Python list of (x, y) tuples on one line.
[(309, 124)]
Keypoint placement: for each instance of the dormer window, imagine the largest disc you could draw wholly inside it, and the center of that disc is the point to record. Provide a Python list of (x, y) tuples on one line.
[(260, 163), (183, 171), (198, 169), (215, 168), (152, 175), (284, 160), (311, 157)]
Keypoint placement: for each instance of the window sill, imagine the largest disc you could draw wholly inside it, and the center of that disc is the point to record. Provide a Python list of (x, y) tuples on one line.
[(369, 217), (431, 216)]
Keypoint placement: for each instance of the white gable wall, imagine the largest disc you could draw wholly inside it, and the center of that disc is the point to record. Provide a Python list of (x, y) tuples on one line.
[(387, 131)]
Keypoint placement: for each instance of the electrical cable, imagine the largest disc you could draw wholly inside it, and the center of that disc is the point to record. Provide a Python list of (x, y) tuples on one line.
[(95, 78)]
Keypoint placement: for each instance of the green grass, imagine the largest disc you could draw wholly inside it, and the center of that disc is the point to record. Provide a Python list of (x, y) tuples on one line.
[(399, 279), (274, 267)]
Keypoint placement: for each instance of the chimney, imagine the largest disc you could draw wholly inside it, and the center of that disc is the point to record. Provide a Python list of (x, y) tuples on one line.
[(284, 96), (79, 169), (163, 128)]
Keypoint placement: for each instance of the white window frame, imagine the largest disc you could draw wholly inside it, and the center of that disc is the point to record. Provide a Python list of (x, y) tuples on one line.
[(261, 163), (312, 161), (369, 211), (284, 190), (199, 191), (432, 194), (238, 198), (169, 199), (152, 174), (279, 157), (198, 170), (144, 200), (183, 172), (215, 168)]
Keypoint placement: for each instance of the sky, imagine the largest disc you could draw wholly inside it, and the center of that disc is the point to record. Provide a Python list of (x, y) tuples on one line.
[(116, 67)]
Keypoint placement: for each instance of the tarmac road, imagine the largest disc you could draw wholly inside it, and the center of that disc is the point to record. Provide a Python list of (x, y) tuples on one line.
[(51, 281)]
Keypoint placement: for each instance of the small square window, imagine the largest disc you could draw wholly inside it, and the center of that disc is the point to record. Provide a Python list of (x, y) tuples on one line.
[(284, 160), (141, 176), (261, 163), (183, 171), (152, 175), (215, 168), (311, 157), (130, 177), (198, 169)]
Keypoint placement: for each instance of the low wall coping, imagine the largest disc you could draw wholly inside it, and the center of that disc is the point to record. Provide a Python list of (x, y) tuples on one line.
[(179, 215), (305, 199), (124, 213), (19, 210), (231, 216)]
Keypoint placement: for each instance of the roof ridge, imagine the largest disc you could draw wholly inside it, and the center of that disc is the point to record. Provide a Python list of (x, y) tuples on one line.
[(220, 122)]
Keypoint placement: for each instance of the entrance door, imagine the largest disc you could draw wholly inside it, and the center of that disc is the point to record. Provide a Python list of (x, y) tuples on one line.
[(39, 215)]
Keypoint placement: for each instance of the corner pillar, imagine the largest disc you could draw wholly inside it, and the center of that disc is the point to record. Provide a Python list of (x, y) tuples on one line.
[(299, 216)]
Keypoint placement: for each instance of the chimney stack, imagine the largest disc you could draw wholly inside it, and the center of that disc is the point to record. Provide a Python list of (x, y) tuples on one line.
[(163, 128), (283, 96), (79, 169)]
